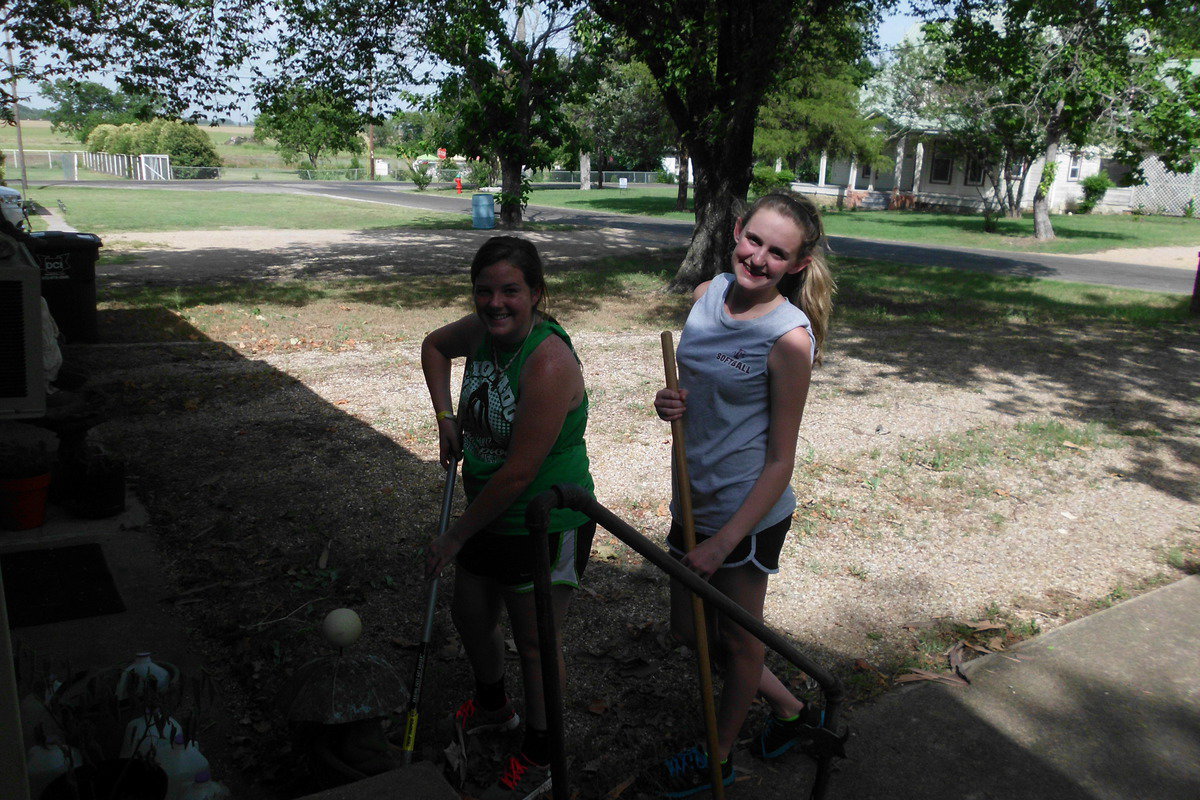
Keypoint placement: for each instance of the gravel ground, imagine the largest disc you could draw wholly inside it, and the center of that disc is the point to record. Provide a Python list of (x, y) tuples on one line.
[(1022, 475)]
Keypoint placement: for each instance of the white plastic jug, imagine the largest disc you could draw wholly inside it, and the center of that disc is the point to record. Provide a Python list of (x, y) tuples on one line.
[(137, 738), (45, 763), (182, 761), (139, 674), (205, 788)]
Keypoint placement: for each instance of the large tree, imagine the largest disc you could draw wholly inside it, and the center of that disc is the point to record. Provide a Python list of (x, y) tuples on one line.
[(815, 110), (714, 61), (309, 122), (1064, 73), (512, 73), (184, 52), (79, 106)]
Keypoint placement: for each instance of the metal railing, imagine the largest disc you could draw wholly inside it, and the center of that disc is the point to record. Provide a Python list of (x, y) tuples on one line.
[(537, 516)]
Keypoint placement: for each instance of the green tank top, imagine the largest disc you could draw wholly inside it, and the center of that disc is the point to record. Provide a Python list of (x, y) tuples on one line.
[(487, 408)]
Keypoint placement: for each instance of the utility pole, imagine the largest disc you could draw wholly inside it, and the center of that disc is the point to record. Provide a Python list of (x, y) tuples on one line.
[(370, 126), (16, 108)]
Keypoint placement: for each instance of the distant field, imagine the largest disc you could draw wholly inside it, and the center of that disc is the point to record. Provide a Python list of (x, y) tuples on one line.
[(242, 160), (119, 210)]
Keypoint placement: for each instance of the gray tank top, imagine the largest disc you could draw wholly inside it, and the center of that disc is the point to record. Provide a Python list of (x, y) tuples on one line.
[(723, 365)]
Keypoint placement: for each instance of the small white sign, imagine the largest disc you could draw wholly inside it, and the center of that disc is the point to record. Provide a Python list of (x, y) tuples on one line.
[(381, 167), (623, 183)]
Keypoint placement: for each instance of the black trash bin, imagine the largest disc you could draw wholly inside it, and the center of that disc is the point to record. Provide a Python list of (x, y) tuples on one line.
[(68, 263)]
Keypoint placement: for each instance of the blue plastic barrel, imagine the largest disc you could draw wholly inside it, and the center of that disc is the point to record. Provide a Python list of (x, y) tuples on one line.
[(483, 211)]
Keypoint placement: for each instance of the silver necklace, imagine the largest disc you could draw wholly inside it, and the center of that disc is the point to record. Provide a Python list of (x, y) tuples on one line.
[(501, 369)]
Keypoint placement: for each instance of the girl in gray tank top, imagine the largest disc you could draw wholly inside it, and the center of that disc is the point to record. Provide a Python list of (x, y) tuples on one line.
[(745, 359)]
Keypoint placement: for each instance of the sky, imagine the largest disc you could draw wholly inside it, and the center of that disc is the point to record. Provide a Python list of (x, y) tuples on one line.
[(891, 30)]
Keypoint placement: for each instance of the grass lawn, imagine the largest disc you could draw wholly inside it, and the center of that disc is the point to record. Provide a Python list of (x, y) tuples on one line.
[(115, 210), (1077, 233), (631, 293)]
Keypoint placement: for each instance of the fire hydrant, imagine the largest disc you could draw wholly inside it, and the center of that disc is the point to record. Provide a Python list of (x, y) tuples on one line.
[(458, 184)]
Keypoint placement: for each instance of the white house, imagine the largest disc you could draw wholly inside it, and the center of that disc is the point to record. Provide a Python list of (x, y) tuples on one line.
[(927, 175)]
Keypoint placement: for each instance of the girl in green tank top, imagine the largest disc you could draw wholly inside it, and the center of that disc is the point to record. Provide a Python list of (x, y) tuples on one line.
[(519, 430)]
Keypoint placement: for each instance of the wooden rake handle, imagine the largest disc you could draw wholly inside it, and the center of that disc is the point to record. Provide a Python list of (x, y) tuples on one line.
[(703, 664)]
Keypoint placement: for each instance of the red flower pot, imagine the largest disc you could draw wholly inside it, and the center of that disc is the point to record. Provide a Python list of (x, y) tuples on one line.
[(23, 502)]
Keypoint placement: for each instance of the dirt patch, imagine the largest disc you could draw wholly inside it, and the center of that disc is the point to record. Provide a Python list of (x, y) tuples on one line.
[(1014, 474)]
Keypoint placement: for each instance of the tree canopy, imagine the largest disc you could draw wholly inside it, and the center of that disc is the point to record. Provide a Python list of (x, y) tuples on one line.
[(82, 105), (1033, 76), (512, 73), (309, 122), (714, 62), (816, 110)]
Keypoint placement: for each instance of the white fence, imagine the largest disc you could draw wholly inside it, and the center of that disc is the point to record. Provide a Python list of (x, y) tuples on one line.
[(567, 176), (139, 168)]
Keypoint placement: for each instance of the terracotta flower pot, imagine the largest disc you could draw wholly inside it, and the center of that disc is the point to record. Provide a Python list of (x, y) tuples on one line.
[(23, 502)]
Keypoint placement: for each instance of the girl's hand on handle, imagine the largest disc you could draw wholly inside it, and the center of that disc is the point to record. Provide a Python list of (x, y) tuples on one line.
[(449, 441), (670, 404), (708, 556), (439, 554)]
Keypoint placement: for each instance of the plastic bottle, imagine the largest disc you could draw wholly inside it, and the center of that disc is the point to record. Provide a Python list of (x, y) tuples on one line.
[(137, 676), (45, 763), (159, 737), (205, 788), (182, 761)]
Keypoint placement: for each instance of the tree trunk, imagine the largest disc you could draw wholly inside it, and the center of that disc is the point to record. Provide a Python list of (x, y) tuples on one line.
[(600, 169), (1042, 229), (718, 200), (585, 171), (510, 194), (681, 197)]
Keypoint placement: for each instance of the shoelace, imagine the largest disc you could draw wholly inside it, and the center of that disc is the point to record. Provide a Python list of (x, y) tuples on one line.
[(512, 775), (466, 710), (678, 763)]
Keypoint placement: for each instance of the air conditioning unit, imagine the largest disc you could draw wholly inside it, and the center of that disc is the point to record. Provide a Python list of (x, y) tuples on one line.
[(22, 373)]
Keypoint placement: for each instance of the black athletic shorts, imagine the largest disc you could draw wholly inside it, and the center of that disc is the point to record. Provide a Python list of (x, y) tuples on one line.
[(508, 559), (761, 549)]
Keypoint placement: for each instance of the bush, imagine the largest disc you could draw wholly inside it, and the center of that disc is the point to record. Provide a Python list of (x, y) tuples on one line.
[(120, 141), (187, 145), (420, 174), (766, 179), (1094, 188), (97, 141), (663, 176), (481, 173), (146, 136)]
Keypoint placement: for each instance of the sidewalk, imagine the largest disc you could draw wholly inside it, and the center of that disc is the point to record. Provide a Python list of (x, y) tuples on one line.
[(1105, 708)]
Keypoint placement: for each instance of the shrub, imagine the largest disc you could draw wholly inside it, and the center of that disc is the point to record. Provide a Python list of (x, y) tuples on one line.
[(480, 173), (97, 141), (187, 145), (146, 136), (1094, 188), (664, 176), (421, 175), (120, 141), (766, 179)]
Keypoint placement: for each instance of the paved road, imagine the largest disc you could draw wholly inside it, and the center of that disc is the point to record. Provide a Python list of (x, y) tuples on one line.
[(997, 262)]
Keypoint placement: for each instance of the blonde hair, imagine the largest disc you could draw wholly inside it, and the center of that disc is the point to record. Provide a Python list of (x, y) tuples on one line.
[(812, 288)]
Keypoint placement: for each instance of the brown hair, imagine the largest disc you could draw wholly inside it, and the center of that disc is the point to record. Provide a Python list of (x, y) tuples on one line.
[(812, 288), (522, 254)]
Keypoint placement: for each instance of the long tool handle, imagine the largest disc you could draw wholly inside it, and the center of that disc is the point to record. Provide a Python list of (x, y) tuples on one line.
[(683, 482), (414, 703)]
